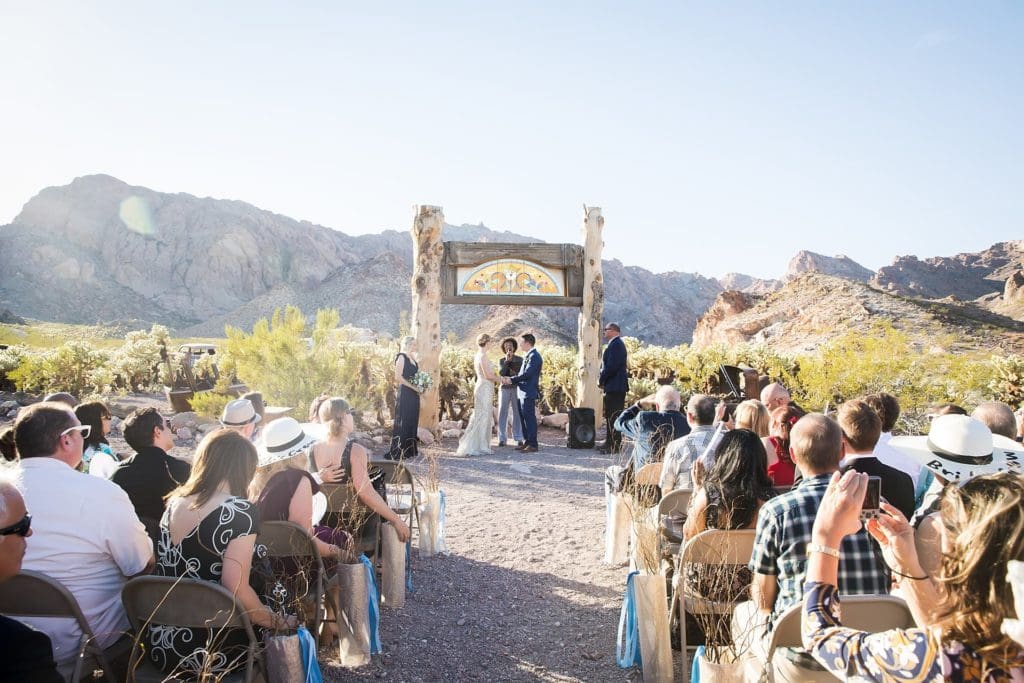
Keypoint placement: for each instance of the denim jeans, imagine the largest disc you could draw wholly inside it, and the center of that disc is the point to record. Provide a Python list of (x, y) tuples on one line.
[(506, 399)]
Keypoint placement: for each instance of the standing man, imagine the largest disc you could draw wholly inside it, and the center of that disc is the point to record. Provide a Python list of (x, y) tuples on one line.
[(614, 381), (528, 383)]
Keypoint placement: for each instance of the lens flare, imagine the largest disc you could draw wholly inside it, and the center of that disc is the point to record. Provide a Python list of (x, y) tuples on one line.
[(136, 215)]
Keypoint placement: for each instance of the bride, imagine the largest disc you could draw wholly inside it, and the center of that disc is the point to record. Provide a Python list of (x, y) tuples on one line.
[(477, 438)]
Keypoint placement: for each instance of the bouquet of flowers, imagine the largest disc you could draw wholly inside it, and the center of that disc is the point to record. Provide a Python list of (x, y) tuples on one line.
[(422, 380)]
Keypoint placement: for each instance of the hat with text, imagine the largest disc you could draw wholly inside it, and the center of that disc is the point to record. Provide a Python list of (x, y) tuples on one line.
[(283, 438), (959, 448)]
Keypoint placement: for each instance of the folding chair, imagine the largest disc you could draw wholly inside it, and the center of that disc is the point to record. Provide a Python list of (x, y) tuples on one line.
[(170, 601), (713, 547), (344, 508), (400, 477), (672, 505), (872, 613), (288, 540), (32, 594)]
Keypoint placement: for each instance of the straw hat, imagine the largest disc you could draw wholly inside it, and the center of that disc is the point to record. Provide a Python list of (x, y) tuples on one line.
[(282, 439), (238, 413), (959, 448)]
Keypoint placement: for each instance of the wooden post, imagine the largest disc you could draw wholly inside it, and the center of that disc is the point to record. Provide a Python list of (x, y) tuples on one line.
[(589, 327), (427, 253)]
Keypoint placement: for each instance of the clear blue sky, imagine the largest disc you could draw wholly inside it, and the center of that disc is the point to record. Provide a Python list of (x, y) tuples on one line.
[(716, 136)]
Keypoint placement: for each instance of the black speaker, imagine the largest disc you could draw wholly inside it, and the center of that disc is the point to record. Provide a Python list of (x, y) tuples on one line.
[(581, 428)]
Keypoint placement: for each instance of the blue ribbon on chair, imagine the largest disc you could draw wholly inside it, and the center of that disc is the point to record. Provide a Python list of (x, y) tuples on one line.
[(440, 518), (375, 646), (408, 566), (627, 645), (309, 663)]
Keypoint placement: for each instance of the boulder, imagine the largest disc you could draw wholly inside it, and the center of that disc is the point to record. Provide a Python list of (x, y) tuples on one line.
[(425, 437), (183, 420), (1013, 291), (207, 428), (9, 405), (13, 413), (445, 425), (451, 433), (378, 440), (184, 434), (559, 420)]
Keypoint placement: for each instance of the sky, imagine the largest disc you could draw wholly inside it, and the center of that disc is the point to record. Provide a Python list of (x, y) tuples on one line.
[(716, 136)]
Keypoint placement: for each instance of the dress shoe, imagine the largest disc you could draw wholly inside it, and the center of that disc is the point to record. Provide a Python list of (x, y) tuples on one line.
[(521, 447), (501, 444), (528, 449), (520, 444)]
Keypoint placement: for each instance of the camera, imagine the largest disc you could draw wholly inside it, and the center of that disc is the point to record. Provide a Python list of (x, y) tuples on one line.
[(872, 499)]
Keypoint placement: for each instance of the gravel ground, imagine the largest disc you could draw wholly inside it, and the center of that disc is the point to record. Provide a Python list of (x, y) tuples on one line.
[(523, 595)]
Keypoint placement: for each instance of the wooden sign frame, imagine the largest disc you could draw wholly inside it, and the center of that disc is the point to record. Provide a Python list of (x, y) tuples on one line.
[(566, 257)]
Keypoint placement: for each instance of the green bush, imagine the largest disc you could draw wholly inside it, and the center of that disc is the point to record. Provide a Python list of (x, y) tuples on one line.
[(77, 367)]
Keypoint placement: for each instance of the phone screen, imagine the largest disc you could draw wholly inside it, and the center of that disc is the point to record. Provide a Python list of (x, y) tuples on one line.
[(874, 494)]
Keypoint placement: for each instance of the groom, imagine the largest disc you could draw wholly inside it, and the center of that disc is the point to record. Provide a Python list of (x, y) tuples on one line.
[(528, 384)]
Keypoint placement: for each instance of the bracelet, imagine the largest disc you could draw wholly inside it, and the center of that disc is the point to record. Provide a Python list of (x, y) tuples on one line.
[(908, 576), (823, 549)]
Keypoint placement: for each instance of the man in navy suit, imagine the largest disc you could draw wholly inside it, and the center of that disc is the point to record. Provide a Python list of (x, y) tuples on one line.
[(614, 380), (528, 384)]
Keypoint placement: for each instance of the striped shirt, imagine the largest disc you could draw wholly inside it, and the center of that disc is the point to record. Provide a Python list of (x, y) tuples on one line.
[(780, 547)]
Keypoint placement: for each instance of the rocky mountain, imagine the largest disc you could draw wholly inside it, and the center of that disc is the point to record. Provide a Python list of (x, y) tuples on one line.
[(964, 276), (812, 308), (746, 283), (100, 250), (838, 266)]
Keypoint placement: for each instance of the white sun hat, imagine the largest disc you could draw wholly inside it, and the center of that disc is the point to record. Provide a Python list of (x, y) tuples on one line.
[(283, 438), (959, 448), (238, 413)]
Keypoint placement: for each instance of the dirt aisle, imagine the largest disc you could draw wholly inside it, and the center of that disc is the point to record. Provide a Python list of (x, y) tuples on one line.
[(523, 595)]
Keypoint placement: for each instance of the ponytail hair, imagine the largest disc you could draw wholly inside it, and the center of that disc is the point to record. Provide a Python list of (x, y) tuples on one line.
[(332, 413)]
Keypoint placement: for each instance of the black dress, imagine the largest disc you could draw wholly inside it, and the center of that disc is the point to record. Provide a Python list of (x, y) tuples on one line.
[(200, 555), (407, 416)]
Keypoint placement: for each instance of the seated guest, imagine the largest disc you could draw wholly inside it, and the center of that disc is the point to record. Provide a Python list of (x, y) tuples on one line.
[(888, 409), (62, 397), (338, 460), (314, 408), (86, 533), (98, 458), (8, 451), (751, 414), (937, 409), (283, 488), (208, 533), (256, 398), (775, 396), (25, 653), (652, 430), (998, 417), (784, 523), (241, 416), (959, 636), (735, 488), (681, 454), (861, 427), (780, 465), (149, 475)]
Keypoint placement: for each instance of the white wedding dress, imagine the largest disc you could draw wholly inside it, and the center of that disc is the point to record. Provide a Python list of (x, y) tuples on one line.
[(476, 440)]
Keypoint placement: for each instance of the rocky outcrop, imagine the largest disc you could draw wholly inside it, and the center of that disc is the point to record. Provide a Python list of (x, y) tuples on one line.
[(965, 276), (748, 284), (837, 266), (813, 308)]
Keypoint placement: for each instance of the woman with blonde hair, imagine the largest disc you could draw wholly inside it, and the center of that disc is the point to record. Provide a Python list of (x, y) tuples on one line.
[(208, 532), (407, 407), (751, 414), (338, 460), (477, 438), (960, 611)]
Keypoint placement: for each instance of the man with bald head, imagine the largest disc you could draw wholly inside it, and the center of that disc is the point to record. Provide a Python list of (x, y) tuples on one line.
[(652, 430), (998, 417), (779, 561), (25, 653), (775, 396)]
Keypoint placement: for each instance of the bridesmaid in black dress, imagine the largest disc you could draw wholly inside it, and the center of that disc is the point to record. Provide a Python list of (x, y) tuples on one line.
[(407, 410)]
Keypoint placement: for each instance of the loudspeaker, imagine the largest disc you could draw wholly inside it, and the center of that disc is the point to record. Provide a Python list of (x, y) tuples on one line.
[(581, 428)]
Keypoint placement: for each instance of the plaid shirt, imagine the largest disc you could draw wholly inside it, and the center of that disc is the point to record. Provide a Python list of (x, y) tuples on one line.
[(680, 456), (780, 547)]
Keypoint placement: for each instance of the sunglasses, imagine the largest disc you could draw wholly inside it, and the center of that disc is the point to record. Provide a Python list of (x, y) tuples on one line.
[(21, 528), (84, 429)]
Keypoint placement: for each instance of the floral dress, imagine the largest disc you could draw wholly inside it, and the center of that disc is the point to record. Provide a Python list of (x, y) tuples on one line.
[(896, 655), (200, 555)]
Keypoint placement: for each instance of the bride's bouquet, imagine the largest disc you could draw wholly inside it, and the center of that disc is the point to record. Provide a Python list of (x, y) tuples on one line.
[(422, 380)]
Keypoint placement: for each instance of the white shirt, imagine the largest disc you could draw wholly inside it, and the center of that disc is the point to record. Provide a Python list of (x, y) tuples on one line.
[(887, 455), (680, 456), (85, 534)]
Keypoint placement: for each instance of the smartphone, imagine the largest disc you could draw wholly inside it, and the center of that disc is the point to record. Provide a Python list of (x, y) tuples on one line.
[(872, 498)]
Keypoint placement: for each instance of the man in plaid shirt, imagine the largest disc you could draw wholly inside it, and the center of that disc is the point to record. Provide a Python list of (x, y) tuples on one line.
[(779, 560), (681, 455)]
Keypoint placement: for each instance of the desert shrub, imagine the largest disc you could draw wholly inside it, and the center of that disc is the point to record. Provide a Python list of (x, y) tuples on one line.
[(455, 388), (75, 366), (640, 387), (211, 403), (1006, 383), (279, 359), (366, 377), (558, 380), (10, 359), (135, 365)]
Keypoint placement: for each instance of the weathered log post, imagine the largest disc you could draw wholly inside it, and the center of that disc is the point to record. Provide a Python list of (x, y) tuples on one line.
[(589, 327), (427, 253)]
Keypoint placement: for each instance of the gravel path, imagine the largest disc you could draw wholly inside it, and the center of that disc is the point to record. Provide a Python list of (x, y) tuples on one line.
[(523, 595)]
